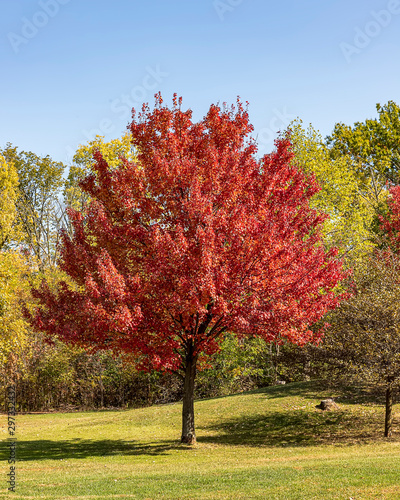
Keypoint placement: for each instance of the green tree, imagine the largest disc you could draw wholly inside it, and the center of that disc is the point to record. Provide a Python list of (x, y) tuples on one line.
[(373, 149), (40, 212)]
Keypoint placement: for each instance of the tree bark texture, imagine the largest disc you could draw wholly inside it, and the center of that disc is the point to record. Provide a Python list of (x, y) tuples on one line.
[(188, 431)]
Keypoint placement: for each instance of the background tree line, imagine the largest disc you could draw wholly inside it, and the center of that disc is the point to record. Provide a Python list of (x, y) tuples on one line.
[(356, 166)]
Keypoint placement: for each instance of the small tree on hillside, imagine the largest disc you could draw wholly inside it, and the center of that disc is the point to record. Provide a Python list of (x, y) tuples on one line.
[(195, 238), (364, 337)]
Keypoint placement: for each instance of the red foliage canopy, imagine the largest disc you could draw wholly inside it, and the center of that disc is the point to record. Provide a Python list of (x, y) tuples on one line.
[(195, 238), (391, 222)]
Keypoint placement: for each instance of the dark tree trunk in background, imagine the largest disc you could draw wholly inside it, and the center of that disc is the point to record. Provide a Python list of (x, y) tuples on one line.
[(389, 405), (188, 432)]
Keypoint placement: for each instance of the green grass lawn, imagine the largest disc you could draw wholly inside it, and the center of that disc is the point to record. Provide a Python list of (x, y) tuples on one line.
[(269, 444)]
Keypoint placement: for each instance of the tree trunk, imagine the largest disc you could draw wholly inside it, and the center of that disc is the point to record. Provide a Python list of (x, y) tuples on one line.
[(188, 432), (307, 370), (388, 415)]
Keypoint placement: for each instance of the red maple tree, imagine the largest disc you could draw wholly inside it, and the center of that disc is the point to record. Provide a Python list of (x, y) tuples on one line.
[(195, 238)]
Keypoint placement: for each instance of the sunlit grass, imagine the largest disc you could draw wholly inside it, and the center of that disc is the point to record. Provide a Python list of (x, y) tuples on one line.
[(271, 444)]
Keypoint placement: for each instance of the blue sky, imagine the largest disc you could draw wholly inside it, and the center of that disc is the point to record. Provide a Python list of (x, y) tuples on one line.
[(74, 68)]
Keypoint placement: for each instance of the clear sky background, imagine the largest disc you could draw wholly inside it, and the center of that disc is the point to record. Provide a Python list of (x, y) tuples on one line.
[(74, 68)]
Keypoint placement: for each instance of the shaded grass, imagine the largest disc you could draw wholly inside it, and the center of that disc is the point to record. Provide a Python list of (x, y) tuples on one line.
[(269, 443)]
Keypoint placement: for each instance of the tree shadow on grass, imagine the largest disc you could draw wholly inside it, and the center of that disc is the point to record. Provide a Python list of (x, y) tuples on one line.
[(308, 390), (357, 393), (294, 428), (315, 390), (46, 449)]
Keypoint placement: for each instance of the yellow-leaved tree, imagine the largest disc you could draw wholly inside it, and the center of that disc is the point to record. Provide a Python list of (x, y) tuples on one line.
[(83, 160), (8, 197), (13, 270), (349, 200)]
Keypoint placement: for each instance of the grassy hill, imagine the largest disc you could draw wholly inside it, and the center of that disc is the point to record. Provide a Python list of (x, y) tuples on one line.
[(269, 444)]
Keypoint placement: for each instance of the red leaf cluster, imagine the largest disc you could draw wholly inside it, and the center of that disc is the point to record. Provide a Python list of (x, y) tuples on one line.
[(390, 224)]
